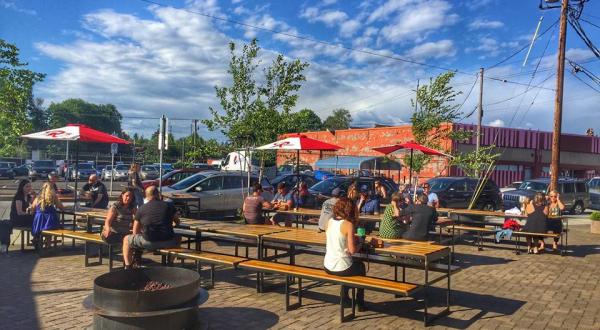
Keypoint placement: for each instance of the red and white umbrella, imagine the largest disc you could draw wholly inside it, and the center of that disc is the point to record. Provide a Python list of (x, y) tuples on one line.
[(412, 146), (299, 142), (75, 132)]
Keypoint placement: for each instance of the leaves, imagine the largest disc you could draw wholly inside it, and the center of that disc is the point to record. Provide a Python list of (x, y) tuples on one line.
[(340, 119), (475, 162)]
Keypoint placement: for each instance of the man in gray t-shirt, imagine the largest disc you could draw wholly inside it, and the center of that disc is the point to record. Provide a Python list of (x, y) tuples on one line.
[(327, 208)]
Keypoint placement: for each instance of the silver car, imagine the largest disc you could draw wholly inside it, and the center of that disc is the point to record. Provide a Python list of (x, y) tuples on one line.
[(149, 172), (118, 173), (219, 191)]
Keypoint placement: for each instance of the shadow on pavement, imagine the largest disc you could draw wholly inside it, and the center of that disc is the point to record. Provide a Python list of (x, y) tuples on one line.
[(230, 317), (17, 305)]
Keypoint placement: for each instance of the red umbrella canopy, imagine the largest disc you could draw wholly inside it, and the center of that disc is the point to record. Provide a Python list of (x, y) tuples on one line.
[(74, 132), (299, 142), (410, 145)]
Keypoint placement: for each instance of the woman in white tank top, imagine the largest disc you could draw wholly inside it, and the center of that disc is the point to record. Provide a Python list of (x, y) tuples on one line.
[(341, 245)]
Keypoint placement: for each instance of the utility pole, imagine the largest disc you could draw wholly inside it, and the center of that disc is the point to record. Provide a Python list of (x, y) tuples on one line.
[(195, 133), (411, 151), (479, 111), (558, 102)]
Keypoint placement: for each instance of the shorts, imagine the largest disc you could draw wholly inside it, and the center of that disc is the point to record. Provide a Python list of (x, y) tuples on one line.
[(138, 241), (113, 238)]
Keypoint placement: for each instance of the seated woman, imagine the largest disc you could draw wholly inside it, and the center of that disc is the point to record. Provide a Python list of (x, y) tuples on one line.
[(119, 219), (554, 222), (422, 217), (341, 245), (536, 212), (19, 217), (253, 206), (391, 225), (45, 205)]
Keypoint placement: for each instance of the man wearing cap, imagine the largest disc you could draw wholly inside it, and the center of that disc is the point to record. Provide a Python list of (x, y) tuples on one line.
[(327, 208), (284, 201)]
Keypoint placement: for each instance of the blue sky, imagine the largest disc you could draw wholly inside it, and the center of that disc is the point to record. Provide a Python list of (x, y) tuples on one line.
[(149, 59)]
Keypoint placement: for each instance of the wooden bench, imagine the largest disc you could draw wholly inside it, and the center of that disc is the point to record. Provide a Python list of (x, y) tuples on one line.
[(25, 233), (519, 234), (87, 238), (479, 230), (200, 257), (352, 282)]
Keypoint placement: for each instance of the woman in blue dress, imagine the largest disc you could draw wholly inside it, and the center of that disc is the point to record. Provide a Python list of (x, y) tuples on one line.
[(45, 205)]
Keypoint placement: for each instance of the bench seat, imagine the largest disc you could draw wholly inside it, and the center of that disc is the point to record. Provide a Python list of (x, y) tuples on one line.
[(87, 238)]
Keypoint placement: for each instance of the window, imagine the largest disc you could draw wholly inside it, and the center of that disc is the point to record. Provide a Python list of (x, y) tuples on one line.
[(210, 184), (184, 184), (460, 186), (234, 182), (580, 186), (568, 188)]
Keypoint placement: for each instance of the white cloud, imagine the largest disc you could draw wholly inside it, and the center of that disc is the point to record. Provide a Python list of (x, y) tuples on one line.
[(328, 2), (497, 123), (485, 24), (437, 49), (8, 4), (349, 27), (414, 22), (477, 4)]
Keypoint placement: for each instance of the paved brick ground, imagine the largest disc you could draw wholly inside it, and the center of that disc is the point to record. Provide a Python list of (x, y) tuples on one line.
[(495, 290)]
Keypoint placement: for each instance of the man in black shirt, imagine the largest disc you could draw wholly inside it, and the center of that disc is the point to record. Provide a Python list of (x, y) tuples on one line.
[(97, 192), (423, 218), (152, 227)]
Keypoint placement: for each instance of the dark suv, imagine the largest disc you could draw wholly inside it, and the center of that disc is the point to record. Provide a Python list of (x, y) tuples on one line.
[(573, 193), (457, 192), (322, 190), (41, 169)]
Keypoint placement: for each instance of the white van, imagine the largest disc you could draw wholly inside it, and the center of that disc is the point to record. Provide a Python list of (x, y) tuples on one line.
[(238, 161)]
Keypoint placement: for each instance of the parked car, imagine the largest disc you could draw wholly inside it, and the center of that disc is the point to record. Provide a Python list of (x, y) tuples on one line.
[(513, 186), (322, 190), (292, 179), (149, 172), (99, 170), (6, 171), (291, 169), (41, 169), (172, 177), (457, 192), (167, 167), (323, 175), (573, 193), (22, 170), (594, 190), (84, 170), (119, 173), (202, 166), (219, 191)]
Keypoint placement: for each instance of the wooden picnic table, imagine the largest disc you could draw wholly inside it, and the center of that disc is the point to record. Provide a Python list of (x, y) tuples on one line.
[(317, 213)]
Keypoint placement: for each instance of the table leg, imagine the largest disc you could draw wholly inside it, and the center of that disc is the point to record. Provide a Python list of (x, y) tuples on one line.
[(426, 290)]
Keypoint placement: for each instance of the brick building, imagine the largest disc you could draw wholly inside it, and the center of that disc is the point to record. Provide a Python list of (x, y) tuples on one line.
[(524, 153)]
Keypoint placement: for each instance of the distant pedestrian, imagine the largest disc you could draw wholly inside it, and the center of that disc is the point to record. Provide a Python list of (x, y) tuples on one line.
[(135, 182)]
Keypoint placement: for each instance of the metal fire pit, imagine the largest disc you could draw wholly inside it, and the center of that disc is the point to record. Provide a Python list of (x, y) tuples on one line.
[(119, 301)]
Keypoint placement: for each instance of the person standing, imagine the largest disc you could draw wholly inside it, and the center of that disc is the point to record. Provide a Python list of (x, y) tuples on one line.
[(45, 216), (19, 217), (97, 193), (119, 220), (327, 208), (554, 223), (340, 247), (152, 227), (135, 182)]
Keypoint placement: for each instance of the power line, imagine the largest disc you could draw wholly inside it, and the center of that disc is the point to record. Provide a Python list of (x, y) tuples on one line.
[(525, 92), (578, 78)]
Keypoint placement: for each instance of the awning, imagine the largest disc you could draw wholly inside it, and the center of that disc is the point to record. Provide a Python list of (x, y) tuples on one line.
[(358, 163)]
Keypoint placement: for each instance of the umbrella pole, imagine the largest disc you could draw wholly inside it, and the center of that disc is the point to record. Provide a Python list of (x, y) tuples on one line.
[(76, 202), (66, 173), (298, 172), (410, 169)]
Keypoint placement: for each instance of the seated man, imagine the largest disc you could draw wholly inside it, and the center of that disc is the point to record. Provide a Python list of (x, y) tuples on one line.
[(96, 190), (368, 204), (327, 208), (284, 201), (423, 218), (152, 227)]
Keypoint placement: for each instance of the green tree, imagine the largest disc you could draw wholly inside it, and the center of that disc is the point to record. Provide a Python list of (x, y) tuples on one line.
[(252, 112), (304, 120), (37, 115), (339, 119), (102, 117), (16, 85)]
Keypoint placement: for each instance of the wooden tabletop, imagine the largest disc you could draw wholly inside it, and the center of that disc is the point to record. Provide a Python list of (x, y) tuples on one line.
[(181, 197), (486, 213), (317, 213), (431, 251), (253, 231), (298, 236)]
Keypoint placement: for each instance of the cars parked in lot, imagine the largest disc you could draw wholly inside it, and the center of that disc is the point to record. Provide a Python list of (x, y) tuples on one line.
[(167, 167), (84, 170), (219, 191), (172, 177), (321, 175), (292, 179), (22, 170), (457, 192), (118, 172), (513, 186), (594, 190), (291, 169), (6, 171), (41, 169), (573, 193), (149, 172), (322, 190)]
